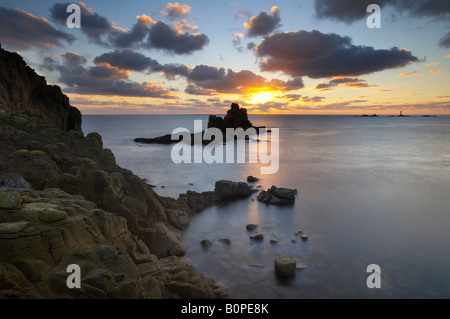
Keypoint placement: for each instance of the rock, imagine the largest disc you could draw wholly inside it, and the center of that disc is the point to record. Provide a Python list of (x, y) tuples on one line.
[(228, 189), (257, 237), (206, 243), (225, 241), (256, 265), (285, 266), (298, 232), (178, 218), (13, 181), (162, 242), (274, 241), (21, 89), (304, 237), (252, 179), (251, 227), (300, 266), (277, 196), (10, 200)]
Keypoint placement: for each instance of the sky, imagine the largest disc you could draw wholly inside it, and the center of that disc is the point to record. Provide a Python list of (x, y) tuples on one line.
[(276, 57)]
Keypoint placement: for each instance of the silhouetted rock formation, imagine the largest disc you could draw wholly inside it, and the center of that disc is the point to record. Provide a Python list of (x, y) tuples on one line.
[(21, 89), (236, 117)]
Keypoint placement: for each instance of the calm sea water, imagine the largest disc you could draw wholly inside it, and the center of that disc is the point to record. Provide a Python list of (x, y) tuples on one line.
[(370, 191)]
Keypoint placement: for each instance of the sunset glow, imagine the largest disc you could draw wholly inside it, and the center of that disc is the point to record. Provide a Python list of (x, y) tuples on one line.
[(192, 57)]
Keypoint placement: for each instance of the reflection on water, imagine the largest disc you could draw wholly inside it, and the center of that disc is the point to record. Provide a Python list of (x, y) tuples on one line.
[(370, 191)]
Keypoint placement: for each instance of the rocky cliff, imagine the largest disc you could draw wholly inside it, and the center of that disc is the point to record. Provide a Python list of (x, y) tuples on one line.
[(22, 89), (63, 200)]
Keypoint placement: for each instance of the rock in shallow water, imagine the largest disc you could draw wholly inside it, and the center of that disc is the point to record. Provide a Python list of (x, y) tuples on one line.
[(285, 266), (277, 196)]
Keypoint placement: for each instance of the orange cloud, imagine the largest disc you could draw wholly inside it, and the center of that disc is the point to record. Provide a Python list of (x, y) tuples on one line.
[(434, 71), (403, 74)]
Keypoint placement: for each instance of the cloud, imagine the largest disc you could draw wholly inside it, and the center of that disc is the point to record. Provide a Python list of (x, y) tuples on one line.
[(445, 41), (176, 11), (73, 58), (101, 79), (202, 79), (162, 36), (129, 59), (432, 64), (147, 33), (347, 82), (349, 10), (434, 71), (93, 25), (317, 55), (222, 80), (23, 30), (403, 74), (263, 23), (128, 39)]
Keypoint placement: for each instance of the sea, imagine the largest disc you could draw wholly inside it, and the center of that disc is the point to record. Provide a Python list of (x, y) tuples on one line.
[(371, 192)]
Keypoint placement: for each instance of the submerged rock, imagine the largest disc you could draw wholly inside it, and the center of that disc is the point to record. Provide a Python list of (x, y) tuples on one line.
[(251, 227), (252, 179), (285, 266), (257, 237), (206, 243)]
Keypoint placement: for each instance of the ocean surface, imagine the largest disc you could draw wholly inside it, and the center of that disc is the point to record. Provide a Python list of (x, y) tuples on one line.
[(371, 190)]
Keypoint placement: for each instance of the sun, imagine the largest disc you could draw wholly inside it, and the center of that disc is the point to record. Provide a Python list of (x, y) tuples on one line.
[(262, 97)]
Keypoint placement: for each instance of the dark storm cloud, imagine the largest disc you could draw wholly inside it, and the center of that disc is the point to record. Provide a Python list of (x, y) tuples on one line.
[(445, 41), (349, 10), (263, 23), (164, 37), (102, 79), (93, 25), (317, 55), (23, 30)]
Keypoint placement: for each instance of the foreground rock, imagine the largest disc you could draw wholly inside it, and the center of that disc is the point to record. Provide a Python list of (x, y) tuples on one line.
[(193, 202), (277, 196), (69, 202), (53, 229), (285, 266)]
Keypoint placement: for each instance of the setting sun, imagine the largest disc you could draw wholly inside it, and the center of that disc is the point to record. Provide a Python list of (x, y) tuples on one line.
[(262, 97)]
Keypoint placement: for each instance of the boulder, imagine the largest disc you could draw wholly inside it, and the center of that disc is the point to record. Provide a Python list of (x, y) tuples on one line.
[(285, 266), (10, 200), (206, 243), (257, 237), (225, 241), (228, 189), (162, 242), (252, 179), (13, 181), (277, 196), (251, 227)]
